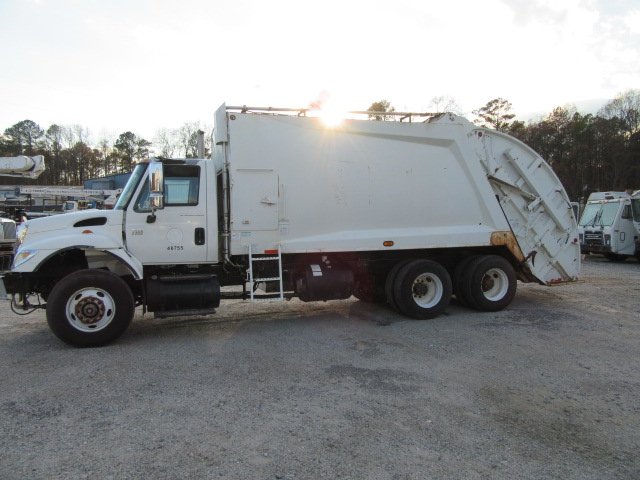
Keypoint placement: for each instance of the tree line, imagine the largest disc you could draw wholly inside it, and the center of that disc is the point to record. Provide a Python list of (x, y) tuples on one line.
[(71, 157), (588, 152)]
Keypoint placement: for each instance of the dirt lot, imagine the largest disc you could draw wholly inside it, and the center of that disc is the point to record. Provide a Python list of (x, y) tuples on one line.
[(548, 388)]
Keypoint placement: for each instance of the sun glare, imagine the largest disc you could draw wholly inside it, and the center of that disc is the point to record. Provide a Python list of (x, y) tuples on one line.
[(331, 117)]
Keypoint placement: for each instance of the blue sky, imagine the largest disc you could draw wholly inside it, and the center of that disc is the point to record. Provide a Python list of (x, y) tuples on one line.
[(140, 65)]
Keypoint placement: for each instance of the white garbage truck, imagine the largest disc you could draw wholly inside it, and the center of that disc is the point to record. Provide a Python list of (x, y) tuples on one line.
[(607, 226), (405, 213)]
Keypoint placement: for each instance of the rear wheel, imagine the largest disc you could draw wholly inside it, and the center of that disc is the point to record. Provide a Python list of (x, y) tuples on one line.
[(90, 308), (489, 284), (422, 289), (389, 283), (460, 273)]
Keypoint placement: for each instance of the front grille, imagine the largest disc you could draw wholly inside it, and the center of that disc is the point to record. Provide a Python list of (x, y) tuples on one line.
[(9, 230), (593, 238), (6, 256), (6, 259)]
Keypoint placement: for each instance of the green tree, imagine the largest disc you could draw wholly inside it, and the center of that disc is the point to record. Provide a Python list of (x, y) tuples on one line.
[(495, 114), (53, 147), (131, 148), (23, 136), (378, 109), (82, 160)]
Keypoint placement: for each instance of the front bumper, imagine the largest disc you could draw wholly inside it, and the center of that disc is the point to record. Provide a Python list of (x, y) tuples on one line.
[(594, 248), (6, 256), (13, 282)]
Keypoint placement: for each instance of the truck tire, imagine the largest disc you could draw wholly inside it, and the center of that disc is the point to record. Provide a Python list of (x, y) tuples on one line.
[(460, 273), (615, 257), (390, 281), (489, 283), (422, 289), (89, 308)]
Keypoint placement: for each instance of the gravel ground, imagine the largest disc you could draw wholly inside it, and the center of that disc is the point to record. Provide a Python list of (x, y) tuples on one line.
[(548, 388)]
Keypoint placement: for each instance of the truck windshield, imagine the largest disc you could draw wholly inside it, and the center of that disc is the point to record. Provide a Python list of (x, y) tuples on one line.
[(601, 214), (608, 215), (589, 214), (131, 186)]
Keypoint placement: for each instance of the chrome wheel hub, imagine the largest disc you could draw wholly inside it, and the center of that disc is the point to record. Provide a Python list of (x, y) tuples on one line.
[(90, 309)]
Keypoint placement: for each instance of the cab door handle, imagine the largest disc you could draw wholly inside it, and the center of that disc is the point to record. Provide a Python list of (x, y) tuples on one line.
[(199, 236)]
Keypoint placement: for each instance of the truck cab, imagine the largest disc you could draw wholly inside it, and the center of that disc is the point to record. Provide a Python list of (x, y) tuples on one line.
[(178, 230), (607, 227)]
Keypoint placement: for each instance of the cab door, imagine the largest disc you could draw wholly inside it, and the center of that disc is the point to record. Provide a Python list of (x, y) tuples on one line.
[(177, 233), (624, 232)]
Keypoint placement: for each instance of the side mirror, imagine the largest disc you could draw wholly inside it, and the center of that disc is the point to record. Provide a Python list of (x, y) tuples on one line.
[(156, 201), (156, 189), (156, 185)]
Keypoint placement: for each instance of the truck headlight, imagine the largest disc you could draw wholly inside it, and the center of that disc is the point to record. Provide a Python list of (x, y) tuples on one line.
[(607, 239), (21, 233), (23, 256)]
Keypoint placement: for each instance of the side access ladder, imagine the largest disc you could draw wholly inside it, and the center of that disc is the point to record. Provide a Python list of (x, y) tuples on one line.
[(252, 281)]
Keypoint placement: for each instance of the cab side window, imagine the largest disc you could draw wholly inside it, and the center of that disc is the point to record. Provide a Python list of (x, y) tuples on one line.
[(635, 206), (181, 188), (181, 185)]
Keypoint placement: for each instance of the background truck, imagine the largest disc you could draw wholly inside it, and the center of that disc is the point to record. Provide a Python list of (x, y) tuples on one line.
[(607, 227), (54, 199), (635, 210), (405, 213), (22, 167)]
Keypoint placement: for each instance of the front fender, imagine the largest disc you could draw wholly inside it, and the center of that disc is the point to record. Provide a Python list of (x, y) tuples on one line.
[(132, 262), (31, 255)]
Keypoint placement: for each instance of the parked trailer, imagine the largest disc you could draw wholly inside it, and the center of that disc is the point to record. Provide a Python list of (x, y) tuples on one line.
[(407, 214)]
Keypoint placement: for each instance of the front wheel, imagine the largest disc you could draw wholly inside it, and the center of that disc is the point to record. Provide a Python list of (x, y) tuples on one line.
[(90, 308)]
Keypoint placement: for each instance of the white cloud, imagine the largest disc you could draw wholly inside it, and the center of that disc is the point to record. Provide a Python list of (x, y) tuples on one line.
[(632, 21), (144, 64)]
